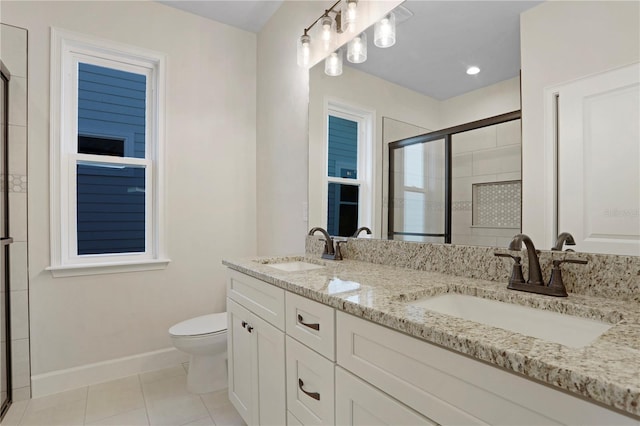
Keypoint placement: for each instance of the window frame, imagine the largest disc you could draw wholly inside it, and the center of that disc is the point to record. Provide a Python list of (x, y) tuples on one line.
[(365, 161), (67, 50)]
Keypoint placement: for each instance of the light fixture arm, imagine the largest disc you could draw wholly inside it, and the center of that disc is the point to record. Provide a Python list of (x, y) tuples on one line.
[(338, 14)]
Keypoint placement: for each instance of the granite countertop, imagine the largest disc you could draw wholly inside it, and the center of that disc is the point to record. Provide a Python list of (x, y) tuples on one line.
[(607, 370)]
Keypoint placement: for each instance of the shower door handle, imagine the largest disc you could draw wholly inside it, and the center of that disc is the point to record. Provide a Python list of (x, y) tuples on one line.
[(6, 241)]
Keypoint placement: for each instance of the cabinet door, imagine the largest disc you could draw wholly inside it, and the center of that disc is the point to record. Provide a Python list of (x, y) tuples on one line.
[(310, 385), (240, 361), (270, 378), (360, 404)]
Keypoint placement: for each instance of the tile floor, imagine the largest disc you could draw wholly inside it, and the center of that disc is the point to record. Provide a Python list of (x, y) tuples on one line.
[(154, 398)]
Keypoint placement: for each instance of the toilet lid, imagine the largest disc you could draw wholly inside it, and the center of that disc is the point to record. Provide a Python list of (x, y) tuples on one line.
[(206, 324)]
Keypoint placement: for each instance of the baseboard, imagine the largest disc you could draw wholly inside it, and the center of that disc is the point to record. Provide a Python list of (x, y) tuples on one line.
[(90, 374)]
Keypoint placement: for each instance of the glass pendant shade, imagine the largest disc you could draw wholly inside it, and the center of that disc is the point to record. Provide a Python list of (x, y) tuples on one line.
[(304, 51), (349, 15), (333, 64), (357, 49), (385, 31), (327, 25)]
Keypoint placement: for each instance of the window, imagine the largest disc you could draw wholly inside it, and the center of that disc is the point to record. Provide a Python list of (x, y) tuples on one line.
[(106, 157), (349, 170)]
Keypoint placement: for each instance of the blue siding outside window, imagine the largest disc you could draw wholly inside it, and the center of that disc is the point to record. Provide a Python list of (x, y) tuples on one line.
[(342, 200), (112, 103), (110, 198), (343, 148)]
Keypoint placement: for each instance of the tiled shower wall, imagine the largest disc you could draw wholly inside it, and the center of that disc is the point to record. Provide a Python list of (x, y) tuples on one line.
[(488, 154), (14, 56)]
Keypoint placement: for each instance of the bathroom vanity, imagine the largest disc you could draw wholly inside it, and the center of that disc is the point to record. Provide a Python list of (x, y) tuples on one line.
[(314, 341)]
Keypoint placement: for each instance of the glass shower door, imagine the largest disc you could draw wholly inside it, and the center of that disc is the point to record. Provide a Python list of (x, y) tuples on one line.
[(418, 186), (5, 241)]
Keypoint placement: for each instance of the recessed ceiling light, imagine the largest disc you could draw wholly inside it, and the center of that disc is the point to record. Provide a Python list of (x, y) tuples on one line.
[(473, 70)]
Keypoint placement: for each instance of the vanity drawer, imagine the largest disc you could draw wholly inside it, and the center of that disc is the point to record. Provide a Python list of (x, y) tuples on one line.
[(450, 388), (359, 404), (261, 298), (310, 385), (311, 323)]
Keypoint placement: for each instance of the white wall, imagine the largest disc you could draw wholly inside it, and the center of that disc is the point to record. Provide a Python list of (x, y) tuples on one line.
[(486, 102), (562, 41), (358, 89), (211, 200), (282, 131)]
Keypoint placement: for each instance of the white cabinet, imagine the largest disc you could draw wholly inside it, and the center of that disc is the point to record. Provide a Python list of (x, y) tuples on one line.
[(256, 351), (360, 404), (382, 376), (310, 385)]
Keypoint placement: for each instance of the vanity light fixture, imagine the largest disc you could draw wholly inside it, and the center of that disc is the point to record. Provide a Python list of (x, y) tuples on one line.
[(333, 64), (329, 26), (384, 31), (357, 49), (473, 70)]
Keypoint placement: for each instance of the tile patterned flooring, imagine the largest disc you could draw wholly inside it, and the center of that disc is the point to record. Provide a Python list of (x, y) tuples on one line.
[(153, 398)]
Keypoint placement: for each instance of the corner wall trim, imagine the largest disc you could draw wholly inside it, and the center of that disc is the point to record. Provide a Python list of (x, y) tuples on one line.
[(90, 374)]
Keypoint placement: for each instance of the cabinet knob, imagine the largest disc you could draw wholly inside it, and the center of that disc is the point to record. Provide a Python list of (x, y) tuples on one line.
[(314, 326), (244, 324), (249, 328), (314, 395)]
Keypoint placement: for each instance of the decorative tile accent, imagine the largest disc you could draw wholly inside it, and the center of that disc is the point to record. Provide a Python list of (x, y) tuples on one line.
[(17, 183), (497, 204), (461, 206)]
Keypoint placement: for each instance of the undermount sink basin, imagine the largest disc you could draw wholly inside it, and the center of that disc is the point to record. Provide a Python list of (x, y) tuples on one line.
[(554, 327), (294, 266)]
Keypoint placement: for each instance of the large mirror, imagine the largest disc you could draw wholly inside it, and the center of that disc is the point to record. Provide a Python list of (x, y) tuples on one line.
[(466, 187), (414, 88)]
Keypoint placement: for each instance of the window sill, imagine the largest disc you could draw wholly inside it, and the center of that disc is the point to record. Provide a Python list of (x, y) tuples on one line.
[(107, 268)]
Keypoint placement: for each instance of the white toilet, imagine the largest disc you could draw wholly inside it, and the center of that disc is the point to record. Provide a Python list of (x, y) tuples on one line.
[(205, 339)]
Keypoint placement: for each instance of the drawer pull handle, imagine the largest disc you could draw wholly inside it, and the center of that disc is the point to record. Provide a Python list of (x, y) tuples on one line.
[(314, 395), (313, 326)]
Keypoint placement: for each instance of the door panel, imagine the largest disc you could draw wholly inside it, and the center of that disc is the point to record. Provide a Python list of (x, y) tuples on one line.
[(599, 162)]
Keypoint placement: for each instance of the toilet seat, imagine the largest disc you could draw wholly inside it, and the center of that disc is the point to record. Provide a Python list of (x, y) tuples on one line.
[(202, 325)]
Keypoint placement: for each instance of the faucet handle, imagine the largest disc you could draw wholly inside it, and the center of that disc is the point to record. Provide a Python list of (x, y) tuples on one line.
[(556, 283), (516, 273), (517, 259), (338, 251), (557, 263)]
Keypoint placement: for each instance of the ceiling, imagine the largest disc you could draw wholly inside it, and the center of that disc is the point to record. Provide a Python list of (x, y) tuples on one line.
[(249, 15), (433, 48)]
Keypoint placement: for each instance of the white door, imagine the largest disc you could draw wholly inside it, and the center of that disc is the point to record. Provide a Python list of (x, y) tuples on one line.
[(599, 162), (360, 404)]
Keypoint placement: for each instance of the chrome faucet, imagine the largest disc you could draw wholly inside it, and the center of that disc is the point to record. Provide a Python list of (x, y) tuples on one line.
[(359, 230), (535, 273), (329, 251), (564, 238)]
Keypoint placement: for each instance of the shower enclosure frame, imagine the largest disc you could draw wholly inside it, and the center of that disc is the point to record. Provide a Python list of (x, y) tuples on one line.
[(438, 135), (5, 241)]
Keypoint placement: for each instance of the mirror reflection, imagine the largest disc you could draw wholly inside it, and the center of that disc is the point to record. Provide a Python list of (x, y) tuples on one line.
[(416, 88)]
